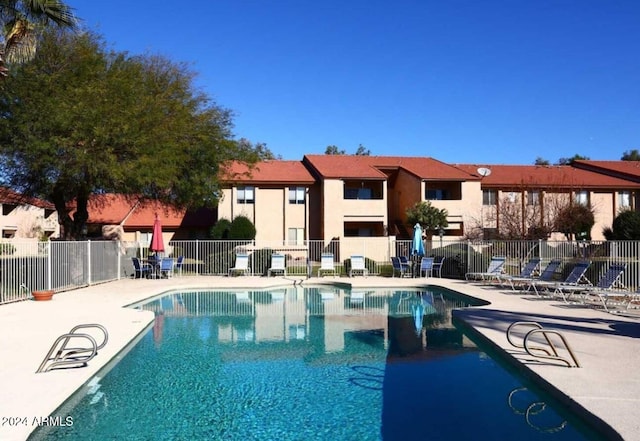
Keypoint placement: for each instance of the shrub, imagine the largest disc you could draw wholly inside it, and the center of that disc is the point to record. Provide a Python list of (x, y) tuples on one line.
[(626, 226), (6, 249), (220, 231), (242, 229)]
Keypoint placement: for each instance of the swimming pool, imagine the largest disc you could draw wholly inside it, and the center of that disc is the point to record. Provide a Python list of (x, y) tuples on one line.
[(312, 363)]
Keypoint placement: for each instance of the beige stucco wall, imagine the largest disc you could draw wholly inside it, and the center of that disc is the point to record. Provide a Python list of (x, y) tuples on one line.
[(28, 221), (271, 212), (337, 210)]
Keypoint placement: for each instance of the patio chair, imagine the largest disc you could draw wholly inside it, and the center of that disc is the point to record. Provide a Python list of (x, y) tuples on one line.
[(404, 269), (606, 283), (574, 278), (277, 265), (426, 266), (358, 266), (545, 276), (166, 267), (495, 268), (178, 267), (140, 269), (327, 264), (241, 266), (438, 263)]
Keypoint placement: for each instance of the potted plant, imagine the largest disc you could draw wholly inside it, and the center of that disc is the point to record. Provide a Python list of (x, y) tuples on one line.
[(42, 295)]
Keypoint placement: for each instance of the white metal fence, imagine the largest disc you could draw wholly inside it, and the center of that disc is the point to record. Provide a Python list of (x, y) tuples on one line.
[(29, 265)]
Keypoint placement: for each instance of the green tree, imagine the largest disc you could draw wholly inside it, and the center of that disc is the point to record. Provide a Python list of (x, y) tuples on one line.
[(22, 23), (542, 161), (575, 221), (631, 155), (429, 217), (626, 226), (242, 229), (569, 161), (333, 150), (79, 119), (362, 151)]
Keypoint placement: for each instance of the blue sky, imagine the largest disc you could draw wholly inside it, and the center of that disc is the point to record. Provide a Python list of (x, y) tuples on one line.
[(462, 81)]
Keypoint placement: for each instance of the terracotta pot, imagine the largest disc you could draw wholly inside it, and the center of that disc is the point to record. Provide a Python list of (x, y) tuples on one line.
[(42, 295)]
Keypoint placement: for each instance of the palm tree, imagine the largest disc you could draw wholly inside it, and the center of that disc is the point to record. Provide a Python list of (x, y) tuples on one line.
[(22, 21)]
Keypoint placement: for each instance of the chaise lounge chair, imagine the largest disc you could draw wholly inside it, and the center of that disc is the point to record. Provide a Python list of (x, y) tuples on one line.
[(546, 276), (241, 266), (495, 268), (575, 278), (527, 272), (327, 265), (358, 266), (606, 283), (277, 265)]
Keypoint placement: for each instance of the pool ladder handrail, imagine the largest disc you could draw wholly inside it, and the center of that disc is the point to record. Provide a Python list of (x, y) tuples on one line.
[(533, 409), (85, 348), (550, 353)]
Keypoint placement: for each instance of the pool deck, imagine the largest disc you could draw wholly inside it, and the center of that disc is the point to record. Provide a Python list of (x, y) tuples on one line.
[(606, 386)]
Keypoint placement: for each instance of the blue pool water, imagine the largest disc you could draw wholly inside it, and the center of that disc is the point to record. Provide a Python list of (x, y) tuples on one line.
[(309, 364)]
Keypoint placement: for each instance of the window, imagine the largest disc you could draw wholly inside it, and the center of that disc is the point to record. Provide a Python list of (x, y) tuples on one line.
[(295, 236), (366, 190), (489, 197), (437, 194), (512, 196), (296, 195), (533, 197), (582, 197), (246, 195), (624, 199)]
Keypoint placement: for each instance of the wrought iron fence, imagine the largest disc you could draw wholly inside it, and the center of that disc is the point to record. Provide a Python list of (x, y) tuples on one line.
[(29, 265)]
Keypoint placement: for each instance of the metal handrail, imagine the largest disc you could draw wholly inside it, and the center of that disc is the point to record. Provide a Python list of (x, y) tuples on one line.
[(549, 354), (521, 346), (84, 349)]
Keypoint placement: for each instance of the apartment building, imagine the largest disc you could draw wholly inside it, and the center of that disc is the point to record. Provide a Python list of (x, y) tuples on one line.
[(26, 218), (274, 195), (329, 197), (369, 195), (518, 198)]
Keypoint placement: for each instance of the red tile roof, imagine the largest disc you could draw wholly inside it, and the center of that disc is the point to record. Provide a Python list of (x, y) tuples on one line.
[(623, 169), (115, 209), (543, 176), (8, 196), (268, 172), (370, 167)]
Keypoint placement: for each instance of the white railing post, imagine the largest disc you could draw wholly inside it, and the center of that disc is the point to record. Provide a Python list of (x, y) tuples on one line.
[(119, 260), (88, 262), (49, 266), (197, 258)]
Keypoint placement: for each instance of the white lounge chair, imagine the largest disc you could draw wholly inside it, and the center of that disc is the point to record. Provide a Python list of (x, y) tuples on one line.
[(277, 265), (358, 266), (327, 265), (241, 266)]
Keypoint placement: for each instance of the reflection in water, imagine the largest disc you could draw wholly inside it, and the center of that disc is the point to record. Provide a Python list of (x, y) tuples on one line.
[(407, 321), (305, 363)]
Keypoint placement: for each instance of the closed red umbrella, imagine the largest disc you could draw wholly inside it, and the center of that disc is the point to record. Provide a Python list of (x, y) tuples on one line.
[(157, 243)]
